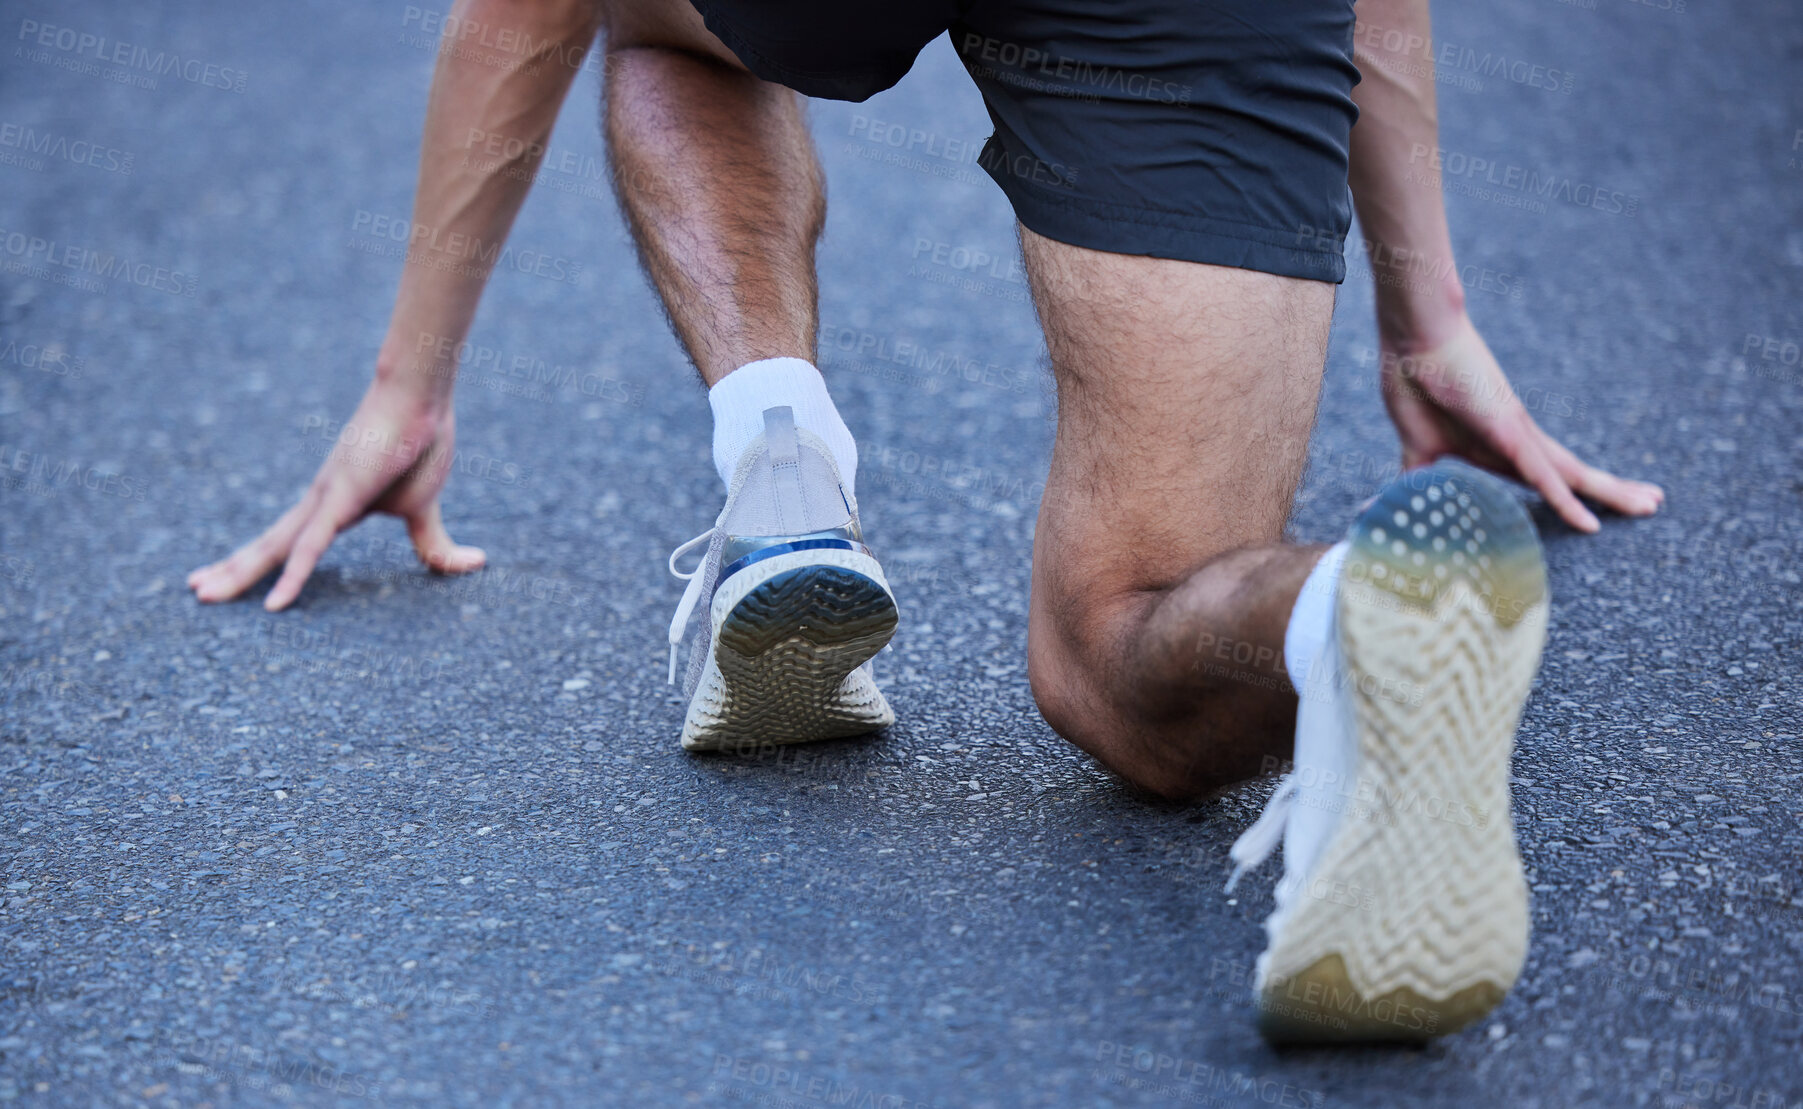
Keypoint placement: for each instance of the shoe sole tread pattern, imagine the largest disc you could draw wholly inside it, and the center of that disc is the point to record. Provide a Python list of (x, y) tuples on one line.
[(784, 665), (1444, 589)]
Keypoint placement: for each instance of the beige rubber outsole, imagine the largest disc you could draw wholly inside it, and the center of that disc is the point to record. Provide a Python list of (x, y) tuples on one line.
[(788, 642), (1443, 595)]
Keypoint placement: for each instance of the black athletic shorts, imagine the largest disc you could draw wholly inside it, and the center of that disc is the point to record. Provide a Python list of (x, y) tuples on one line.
[(1206, 130)]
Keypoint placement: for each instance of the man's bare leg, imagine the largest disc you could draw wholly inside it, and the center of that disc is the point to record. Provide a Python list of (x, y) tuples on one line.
[(1186, 394), (718, 176), (1206, 379)]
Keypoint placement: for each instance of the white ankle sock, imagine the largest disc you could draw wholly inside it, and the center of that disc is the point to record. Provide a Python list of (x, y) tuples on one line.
[(739, 401), (1311, 618)]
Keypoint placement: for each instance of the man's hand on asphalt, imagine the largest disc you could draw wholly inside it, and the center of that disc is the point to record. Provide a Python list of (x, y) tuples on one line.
[(1455, 400), (392, 456)]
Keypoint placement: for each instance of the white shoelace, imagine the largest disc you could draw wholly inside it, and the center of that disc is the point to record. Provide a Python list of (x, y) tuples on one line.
[(1257, 842), (690, 596)]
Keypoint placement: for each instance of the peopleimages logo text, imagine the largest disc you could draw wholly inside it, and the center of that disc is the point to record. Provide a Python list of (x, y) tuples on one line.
[(83, 44), (33, 250), (1529, 182), (1062, 72), (36, 472), (81, 152), (474, 250)]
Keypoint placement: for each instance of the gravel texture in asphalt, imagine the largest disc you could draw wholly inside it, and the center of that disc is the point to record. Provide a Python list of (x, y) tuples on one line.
[(432, 841)]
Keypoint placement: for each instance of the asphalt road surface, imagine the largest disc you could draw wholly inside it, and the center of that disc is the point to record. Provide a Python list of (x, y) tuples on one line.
[(433, 842)]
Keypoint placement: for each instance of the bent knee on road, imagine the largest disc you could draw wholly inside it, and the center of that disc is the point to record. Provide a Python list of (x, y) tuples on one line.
[(1147, 754)]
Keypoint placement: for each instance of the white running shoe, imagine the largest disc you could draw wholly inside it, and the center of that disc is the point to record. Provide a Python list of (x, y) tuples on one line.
[(1403, 913), (796, 605)]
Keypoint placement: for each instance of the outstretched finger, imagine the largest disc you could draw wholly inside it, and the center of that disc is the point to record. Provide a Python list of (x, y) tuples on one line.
[(1630, 498), (309, 546), (1531, 461), (435, 548), (244, 567)]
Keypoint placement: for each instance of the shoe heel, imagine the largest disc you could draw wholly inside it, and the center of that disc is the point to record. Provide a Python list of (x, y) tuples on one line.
[(1321, 1005), (783, 662), (833, 617)]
